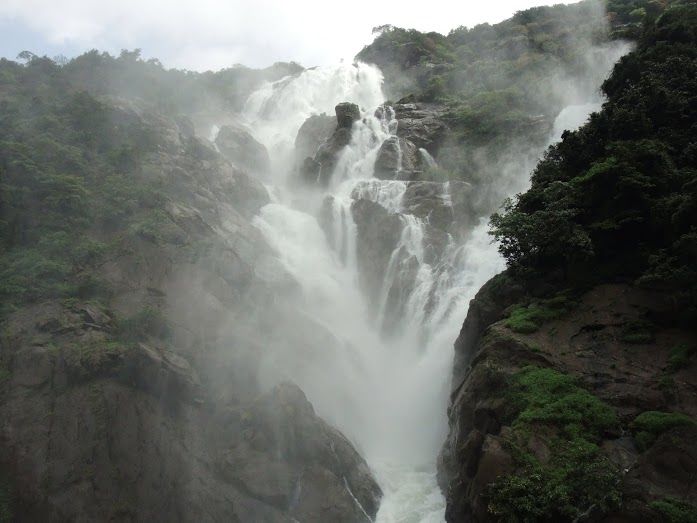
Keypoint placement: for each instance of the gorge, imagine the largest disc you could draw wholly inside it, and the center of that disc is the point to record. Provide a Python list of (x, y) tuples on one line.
[(250, 293)]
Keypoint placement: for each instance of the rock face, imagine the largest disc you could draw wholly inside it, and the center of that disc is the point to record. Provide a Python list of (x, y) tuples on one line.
[(145, 405), (398, 159), (422, 124), (346, 114), (319, 168), (316, 130), (292, 460), (240, 148), (378, 233), (586, 342)]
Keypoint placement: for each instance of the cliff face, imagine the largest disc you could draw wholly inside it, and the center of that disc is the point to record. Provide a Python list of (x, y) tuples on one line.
[(594, 341), (141, 402), (574, 384)]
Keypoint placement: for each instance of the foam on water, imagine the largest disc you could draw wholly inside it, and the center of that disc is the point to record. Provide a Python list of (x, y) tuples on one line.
[(387, 394)]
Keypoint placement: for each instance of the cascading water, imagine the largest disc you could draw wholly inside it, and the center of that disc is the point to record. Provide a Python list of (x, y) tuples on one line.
[(388, 394)]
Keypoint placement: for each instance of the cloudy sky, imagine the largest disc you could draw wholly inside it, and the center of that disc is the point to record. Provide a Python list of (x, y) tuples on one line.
[(211, 34)]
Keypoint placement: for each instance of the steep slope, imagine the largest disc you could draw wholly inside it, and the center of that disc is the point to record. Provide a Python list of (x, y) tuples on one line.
[(498, 88), (136, 295), (574, 386)]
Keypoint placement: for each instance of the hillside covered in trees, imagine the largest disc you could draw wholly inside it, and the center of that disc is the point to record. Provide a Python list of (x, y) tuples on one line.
[(574, 383)]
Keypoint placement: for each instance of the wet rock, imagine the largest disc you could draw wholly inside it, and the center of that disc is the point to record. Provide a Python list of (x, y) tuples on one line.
[(346, 114), (422, 124), (378, 233), (310, 171), (328, 154), (430, 201), (293, 460), (243, 150), (316, 130), (398, 159), (585, 343)]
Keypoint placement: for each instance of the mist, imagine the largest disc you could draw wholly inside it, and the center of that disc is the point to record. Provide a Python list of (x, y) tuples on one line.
[(343, 268)]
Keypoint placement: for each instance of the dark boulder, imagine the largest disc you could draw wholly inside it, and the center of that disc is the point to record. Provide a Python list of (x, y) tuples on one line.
[(347, 113), (316, 130), (422, 124)]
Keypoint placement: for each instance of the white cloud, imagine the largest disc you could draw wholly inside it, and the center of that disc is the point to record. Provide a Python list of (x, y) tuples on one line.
[(203, 34)]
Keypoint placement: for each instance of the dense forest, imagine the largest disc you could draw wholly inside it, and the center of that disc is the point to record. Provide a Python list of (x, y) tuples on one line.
[(617, 198)]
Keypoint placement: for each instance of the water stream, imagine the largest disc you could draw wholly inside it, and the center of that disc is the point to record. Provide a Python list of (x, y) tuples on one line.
[(388, 394)]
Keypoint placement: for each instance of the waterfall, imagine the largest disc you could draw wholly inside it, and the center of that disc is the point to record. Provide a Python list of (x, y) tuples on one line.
[(387, 393)]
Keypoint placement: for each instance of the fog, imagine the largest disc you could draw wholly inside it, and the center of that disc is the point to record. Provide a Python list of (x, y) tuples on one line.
[(372, 349)]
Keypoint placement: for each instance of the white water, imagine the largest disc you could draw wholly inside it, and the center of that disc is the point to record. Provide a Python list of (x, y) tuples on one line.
[(388, 395)]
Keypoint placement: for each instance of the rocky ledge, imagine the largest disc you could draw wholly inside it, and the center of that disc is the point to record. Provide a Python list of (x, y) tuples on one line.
[(578, 407)]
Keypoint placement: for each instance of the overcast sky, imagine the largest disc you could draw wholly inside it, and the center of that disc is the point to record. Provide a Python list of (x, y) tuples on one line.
[(211, 34)]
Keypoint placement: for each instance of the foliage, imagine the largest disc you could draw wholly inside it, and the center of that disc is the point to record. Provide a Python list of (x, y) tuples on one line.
[(675, 511), (528, 319), (561, 491), (648, 426), (545, 396), (680, 356), (6, 501), (618, 197), (576, 476), (637, 332)]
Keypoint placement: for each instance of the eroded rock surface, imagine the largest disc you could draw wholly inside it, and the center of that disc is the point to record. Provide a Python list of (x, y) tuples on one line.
[(242, 149), (586, 342), (145, 405)]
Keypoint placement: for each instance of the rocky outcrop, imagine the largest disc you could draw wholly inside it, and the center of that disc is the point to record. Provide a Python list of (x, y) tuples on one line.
[(292, 460), (422, 124), (319, 169), (378, 233), (445, 206), (588, 341), (144, 404), (314, 131), (346, 114), (239, 147), (398, 159)]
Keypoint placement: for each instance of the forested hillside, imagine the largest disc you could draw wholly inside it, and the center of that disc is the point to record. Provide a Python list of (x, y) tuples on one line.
[(500, 86), (574, 387)]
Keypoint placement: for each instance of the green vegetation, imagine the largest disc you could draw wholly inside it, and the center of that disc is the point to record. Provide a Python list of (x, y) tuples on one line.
[(528, 319), (576, 476), (79, 171), (6, 500), (545, 396), (648, 426), (680, 356), (675, 511), (617, 199), (637, 332)]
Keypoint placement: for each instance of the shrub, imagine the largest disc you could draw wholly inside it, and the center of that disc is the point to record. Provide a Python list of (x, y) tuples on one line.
[(576, 476), (527, 320), (648, 426), (675, 511), (6, 501), (680, 356), (637, 332), (545, 396)]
